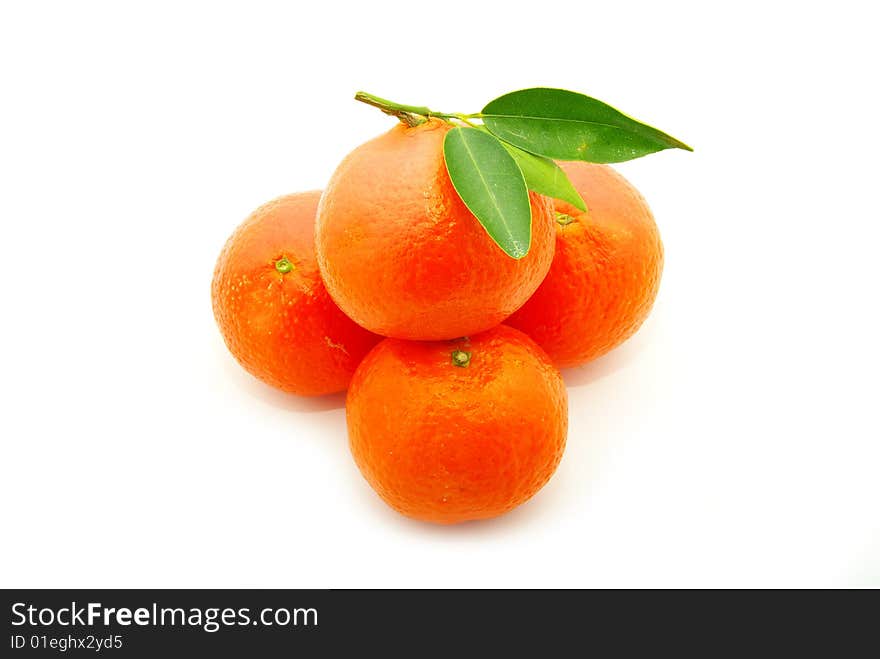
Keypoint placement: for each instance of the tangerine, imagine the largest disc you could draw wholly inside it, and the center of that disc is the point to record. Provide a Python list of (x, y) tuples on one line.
[(403, 256), (450, 431), (272, 308), (605, 273)]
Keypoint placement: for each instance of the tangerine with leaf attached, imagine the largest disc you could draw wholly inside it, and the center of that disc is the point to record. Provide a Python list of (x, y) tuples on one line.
[(401, 253)]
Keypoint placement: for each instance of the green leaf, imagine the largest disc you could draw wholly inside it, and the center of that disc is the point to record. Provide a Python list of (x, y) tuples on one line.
[(545, 177), (491, 185), (565, 125)]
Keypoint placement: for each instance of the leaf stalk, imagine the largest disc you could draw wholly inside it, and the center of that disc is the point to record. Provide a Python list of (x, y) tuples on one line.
[(413, 115)]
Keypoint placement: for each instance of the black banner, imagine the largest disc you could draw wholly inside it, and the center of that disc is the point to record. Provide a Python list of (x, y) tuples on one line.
[(269, 623)]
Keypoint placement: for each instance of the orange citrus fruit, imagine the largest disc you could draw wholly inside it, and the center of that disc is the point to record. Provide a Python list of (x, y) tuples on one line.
[(605, 273), (450, 431), (403, 256), (272, 308)]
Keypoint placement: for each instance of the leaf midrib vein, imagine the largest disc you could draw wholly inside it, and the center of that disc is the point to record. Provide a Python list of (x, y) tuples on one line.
[(488, 188)]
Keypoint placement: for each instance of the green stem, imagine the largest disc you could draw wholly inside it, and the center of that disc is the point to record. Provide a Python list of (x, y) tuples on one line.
[(406, 113), (411, 115), (461, 117)]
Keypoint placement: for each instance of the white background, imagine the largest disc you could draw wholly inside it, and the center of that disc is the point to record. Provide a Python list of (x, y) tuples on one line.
[(732, 442)]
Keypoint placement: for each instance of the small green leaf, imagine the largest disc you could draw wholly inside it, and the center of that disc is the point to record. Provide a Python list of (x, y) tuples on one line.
[(565, 125), (545, 177), (491, 185)]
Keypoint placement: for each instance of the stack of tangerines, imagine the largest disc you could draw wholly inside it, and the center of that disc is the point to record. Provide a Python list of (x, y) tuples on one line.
[(387, 285)]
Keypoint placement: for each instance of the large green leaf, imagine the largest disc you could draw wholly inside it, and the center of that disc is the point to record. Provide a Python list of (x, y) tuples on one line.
[(545, 177), (565, 125), (491, 185)]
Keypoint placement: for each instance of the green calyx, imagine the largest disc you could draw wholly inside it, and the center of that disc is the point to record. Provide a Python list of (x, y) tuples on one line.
[(283, 265), (461, 358)]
